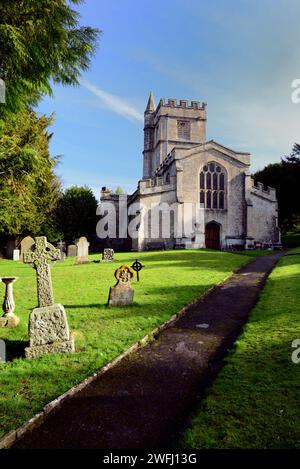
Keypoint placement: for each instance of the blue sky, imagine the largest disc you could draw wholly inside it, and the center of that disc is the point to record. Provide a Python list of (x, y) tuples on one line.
[(239, 56)]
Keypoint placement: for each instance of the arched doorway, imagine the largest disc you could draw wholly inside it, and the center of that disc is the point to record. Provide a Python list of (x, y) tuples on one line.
[(212, 236)]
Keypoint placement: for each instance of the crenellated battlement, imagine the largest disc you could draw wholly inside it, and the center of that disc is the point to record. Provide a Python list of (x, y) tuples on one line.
[(183, 104), (259, 189), (156, 184)]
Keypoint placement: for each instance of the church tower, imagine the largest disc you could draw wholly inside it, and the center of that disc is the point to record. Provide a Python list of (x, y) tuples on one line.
[(170, 125)]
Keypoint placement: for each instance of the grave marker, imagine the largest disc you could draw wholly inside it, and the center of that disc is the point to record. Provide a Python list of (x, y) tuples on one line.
[(122, 293), (26, 245), (72, 250), (48, 324), (108, 255), (16, 254), (82, 251)]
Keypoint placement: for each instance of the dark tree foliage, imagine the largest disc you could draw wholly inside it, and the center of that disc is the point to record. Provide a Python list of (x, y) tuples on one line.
[(29, 189), (41, 41), (76, 213), (285, 178)]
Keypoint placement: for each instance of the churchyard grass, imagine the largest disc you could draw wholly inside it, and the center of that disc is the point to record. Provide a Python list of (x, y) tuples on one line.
[(255, 400), (170, 280)]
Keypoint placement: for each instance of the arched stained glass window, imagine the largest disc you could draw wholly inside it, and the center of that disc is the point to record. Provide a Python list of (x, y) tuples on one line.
[(212, 186), (215, 181), (208, 199), (222, 182), (202, 197), (202, 178), (208, 181)]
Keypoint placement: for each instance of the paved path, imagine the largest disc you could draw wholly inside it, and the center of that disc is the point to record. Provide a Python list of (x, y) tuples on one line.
[(144, 401)]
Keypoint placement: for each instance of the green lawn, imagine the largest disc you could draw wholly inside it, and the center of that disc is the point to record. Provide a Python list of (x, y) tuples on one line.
[(169, 281), (255, 401)]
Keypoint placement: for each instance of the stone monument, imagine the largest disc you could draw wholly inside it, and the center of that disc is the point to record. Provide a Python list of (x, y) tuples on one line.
[(108, 255), (26, 245), (82, 251), (9, 319), (72, 250), (62, 247), (48, 324), (16, 254), (122, 293)]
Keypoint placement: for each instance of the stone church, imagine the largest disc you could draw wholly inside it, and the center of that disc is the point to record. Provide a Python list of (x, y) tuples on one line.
[(214, 201)]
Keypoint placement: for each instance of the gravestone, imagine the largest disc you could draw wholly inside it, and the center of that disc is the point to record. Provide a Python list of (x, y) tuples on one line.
[(62, 247), (122, 293), (82, 251), (72, 250), (108, 255), (48, 324), (26, 245), (16, 254)]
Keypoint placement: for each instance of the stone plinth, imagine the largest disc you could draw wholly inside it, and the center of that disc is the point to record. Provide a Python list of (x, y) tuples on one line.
[(49, 331)]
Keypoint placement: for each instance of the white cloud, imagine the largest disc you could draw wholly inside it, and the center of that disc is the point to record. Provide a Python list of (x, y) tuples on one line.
[(114, 103)]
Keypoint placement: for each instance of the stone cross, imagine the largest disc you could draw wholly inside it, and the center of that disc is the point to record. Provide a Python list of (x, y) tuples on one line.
[(40, 258)]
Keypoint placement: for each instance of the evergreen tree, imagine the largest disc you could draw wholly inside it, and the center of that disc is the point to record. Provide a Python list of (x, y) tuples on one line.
[(41, 41), (29, 189), (76, 213)]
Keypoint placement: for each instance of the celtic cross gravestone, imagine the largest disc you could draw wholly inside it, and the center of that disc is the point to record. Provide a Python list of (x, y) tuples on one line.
[(48, 324)]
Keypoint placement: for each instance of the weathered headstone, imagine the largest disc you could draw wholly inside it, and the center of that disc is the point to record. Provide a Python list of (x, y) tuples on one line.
[(16, 254), (82, 251), (48, 324), (62, 247), (108, 255), (9, 319), (72, 250), (26, 245), (122, 293)]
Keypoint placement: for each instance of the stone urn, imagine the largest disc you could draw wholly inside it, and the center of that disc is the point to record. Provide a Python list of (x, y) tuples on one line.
[(9, 319)]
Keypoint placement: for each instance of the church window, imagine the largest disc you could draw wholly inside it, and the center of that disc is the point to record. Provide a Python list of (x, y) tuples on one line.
[(221, 200), (202, 197), (212, 187), (184, 130), (202, 178), (208, 181), (215, 199), (215, 181), (208, 199), (222, 182)]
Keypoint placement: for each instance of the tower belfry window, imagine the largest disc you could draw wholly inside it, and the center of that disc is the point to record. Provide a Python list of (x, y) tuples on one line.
[(184, 130)]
